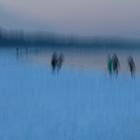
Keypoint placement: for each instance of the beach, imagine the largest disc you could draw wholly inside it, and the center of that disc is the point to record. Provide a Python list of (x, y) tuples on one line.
[(74, 103)]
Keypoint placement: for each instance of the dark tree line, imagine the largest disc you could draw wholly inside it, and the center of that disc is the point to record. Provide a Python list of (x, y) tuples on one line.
[(20, 38)]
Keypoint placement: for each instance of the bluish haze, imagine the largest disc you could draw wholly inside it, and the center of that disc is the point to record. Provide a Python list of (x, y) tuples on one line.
[(82, 17)]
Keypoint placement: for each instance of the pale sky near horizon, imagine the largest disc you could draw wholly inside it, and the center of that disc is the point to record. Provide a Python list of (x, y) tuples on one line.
[(82, 17)]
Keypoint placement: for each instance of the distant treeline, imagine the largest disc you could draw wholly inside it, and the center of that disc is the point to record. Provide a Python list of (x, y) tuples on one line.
[(20, 38)]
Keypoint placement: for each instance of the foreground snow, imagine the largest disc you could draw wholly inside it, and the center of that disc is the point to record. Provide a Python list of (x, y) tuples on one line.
[(72, 105)]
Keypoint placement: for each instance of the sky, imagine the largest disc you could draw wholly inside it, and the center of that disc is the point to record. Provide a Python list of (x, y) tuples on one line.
[(78, 17)]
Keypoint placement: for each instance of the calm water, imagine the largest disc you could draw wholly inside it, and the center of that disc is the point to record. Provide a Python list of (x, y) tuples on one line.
[(73, 58)]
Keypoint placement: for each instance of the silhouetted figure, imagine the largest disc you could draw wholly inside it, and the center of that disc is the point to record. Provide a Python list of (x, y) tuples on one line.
[(109, 64), (116, 64), (54, 61), (60, 61), (131, 65)]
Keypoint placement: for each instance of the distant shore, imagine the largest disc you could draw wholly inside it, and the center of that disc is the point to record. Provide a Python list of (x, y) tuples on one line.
[(45, 39)]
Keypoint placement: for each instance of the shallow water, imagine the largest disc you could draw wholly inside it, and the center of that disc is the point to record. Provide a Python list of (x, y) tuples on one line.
[(73, 58), (72, 105)]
